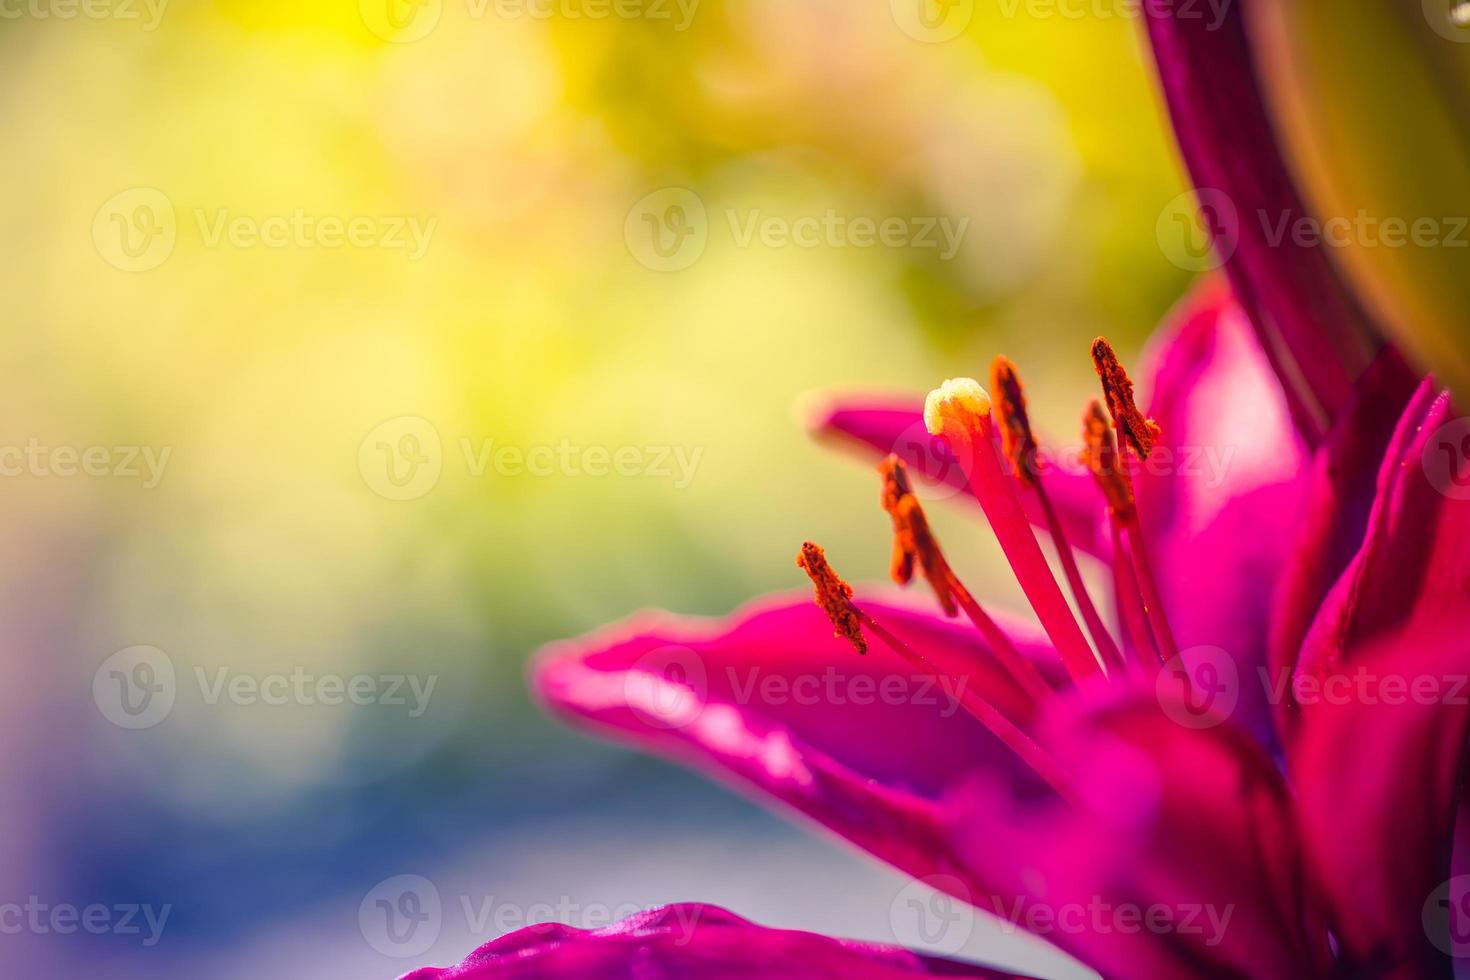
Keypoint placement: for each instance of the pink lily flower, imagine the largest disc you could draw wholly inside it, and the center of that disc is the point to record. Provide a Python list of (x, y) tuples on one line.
[(1082, 765), (1260, 718)]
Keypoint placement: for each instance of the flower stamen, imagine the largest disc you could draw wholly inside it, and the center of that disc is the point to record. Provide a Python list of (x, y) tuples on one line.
[(1020, 445), (831, 590), (1017, 440), (959, 410), (833, 595), (1134, 429), (914, 543), (1100, 454), (1136, 434)]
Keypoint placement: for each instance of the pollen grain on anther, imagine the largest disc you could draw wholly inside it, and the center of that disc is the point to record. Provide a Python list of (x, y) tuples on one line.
[(1100, 453), (833, 595), (1135, 430), (914, 545), (1017, 440)]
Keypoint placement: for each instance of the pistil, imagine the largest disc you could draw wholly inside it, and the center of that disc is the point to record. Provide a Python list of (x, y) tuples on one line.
[(959, 410)]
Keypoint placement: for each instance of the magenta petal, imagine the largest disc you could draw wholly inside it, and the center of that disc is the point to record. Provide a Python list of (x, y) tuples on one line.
[(1193, 822), (1341, 485), (879, 426), (769, 700), (1220, 497), (685, 942), (1308, 321), (1413, 568), (1378, 767)]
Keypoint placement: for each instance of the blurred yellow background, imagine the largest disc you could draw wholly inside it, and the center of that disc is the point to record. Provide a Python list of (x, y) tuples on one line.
[(265, 242)]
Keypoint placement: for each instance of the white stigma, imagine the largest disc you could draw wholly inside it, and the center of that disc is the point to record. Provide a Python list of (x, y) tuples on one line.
[(955, 400)]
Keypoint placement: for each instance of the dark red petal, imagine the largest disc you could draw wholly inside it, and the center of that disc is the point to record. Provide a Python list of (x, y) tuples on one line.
[(1341, 484), (1378, 770), (1413, 567), (685, 942)]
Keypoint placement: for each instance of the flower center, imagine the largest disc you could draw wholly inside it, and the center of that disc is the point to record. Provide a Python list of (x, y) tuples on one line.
[(1001, 463)]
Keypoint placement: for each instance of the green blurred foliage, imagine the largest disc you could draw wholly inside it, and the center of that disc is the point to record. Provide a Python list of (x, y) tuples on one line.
[(528, 321)]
